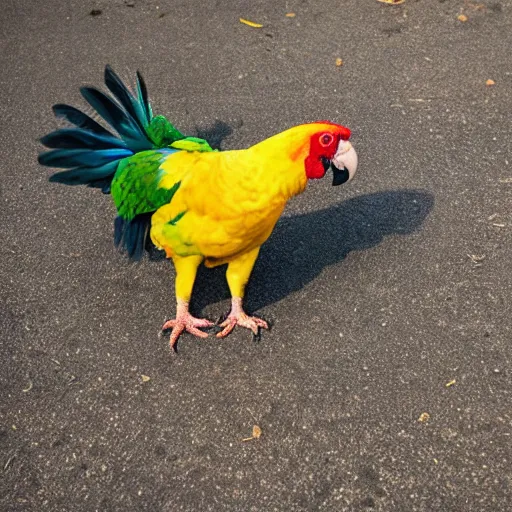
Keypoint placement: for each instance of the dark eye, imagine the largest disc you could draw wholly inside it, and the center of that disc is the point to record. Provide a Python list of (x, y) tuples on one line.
[(326, 139)]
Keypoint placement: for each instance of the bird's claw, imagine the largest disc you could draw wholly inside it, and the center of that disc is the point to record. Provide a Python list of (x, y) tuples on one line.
[(185, 322), (252, 323)]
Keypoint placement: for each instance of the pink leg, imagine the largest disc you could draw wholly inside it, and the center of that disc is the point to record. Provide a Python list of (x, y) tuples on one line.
[(184, 321), (238, 316)]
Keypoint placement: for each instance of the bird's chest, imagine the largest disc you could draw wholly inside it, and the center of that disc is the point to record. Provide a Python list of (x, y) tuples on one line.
[(236, 234)]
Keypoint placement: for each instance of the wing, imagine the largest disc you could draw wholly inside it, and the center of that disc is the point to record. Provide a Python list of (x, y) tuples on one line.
[(138, 190), (136, 185)]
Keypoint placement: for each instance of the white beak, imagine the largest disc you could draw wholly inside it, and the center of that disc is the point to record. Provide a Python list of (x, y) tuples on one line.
[(346, 157)]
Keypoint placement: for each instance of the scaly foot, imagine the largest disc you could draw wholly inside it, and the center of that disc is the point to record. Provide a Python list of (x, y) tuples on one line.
[(238, 316), (184, 321)]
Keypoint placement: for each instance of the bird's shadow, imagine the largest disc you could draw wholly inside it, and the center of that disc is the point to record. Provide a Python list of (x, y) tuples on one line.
[(302, 245), (215, 133)]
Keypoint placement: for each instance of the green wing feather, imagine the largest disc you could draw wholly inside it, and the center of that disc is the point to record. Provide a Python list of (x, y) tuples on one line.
[(135, 187), (162, 133), (192, 144)]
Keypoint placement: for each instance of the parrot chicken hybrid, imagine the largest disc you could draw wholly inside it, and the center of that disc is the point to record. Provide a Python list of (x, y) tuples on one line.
[(197, 204)]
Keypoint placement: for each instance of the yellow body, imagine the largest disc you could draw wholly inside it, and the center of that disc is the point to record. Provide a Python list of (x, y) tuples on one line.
[(232, 201)]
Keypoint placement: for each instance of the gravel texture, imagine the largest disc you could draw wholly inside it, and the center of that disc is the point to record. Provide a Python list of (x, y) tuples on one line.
[(380, 292)]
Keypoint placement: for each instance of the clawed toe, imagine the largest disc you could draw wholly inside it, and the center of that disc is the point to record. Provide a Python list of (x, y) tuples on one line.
[(192, 322), (188, 323), (184, 321), (250, 322)]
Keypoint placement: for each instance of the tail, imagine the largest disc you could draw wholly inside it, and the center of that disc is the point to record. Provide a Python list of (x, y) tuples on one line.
[(90, 152)]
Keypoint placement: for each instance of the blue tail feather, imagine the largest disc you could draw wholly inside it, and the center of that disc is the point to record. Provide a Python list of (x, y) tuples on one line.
[(78, 118), (125, 98), (76, 138), (93, 176), (115, 116), (132, 235), (142, 95), (67, 158), (89, 149)]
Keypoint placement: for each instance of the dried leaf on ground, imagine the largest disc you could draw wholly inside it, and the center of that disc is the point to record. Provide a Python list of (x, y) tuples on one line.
[(256, 434), (424, 417), (29, 387), (475, 7), (391, 2), (339, 62), (452, 382), (462, 17), (490, 82), (145, 378), (477, 260), (250, 23), (290, 15)]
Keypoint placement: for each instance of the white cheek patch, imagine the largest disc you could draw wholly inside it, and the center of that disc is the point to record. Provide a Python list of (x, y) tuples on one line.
[(346, 157)]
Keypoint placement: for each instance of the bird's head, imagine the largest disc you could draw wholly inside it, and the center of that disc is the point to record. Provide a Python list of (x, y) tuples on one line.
[(306, 152), (329, 147)]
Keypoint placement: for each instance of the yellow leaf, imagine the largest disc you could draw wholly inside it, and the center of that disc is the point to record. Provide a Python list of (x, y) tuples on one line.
[(462, 17), (145, 378), (251, 23), (490, 82), (339, 62), (391, 2), (290, 15), (451, 383)]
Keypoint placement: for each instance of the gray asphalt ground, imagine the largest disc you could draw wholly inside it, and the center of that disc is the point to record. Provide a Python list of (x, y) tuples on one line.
[(380, 292)]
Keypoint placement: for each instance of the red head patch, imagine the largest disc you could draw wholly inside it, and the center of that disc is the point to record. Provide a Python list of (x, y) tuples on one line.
[(323, 146)]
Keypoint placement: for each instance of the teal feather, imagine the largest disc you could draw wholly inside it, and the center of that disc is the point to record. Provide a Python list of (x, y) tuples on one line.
[(142, 94), (115, 116), (78, 157), (92, 176), (76, 138), (78, 118), (125, 97)]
